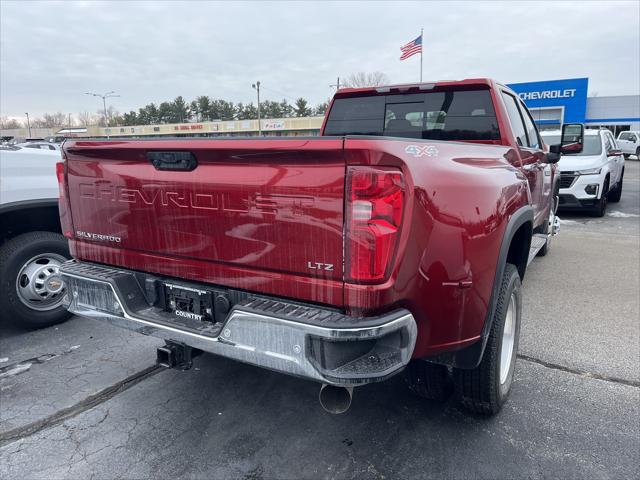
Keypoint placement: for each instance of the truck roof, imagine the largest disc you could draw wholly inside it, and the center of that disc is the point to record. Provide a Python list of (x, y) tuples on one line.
[(420, 86)]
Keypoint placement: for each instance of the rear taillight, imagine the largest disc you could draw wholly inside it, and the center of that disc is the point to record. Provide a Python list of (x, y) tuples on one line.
[(60, 175), (63, 202), (374, 209)]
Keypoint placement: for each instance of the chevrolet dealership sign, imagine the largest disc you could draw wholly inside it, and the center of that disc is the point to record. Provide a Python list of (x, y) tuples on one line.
[(569, 94)]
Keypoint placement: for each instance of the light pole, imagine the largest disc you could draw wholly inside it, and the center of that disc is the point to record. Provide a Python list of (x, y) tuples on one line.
[(256, 86), (28, 123), (104, 102)]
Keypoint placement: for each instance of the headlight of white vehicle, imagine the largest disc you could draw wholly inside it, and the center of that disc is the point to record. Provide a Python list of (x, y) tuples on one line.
[(590, 171)]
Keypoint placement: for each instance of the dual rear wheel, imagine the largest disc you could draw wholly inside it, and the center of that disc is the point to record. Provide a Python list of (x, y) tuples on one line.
[(483, 389)]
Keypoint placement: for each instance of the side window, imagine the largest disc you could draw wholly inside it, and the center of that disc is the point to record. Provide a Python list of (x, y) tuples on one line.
[(532, 131), (515, 119), (625, 136)]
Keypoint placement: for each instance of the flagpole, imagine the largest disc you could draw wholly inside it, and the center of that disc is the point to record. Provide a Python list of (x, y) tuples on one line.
[(421, 49)]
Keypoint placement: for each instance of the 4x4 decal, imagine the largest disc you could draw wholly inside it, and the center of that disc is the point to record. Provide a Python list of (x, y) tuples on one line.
[(422, 150)]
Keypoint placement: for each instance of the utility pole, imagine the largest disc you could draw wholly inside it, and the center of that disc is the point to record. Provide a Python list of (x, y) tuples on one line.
[(28, 123), (104, 103), (337, 85), (256, 86), (421, 49), (69, 120)]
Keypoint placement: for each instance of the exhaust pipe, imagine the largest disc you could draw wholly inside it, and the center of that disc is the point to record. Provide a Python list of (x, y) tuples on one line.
[(335, 399)]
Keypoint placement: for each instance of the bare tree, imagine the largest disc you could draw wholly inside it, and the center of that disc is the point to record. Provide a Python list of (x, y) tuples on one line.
[(52, 120), (9, 123), (362, 79), (86, 119), (113, 117)]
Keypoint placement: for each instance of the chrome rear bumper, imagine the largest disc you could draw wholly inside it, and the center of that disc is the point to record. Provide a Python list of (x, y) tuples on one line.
[(301, 340)]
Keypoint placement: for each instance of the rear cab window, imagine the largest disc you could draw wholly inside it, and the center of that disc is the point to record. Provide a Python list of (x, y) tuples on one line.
[(448, 114)]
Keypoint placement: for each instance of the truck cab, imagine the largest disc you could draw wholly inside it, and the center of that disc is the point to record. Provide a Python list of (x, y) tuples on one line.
[(472, 111), (629, 143)]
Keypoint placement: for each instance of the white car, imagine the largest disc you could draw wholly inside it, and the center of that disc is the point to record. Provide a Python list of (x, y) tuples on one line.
[(40, 145), (591, 178), (31, 245), (629, 143)]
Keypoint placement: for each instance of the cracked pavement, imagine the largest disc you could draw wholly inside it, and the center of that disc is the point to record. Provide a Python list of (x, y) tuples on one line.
[(574, 411)]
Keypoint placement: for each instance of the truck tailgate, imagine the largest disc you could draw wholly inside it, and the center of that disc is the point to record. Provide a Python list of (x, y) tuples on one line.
[(250, 209)]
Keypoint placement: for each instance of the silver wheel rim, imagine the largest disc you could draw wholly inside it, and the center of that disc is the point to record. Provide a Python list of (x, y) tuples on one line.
[(508, 339), (38, 283)]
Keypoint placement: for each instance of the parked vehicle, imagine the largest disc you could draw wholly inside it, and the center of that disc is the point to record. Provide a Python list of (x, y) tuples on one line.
[(40, 145), (629, 143), (31, 245), (593, 177), (397, 239)]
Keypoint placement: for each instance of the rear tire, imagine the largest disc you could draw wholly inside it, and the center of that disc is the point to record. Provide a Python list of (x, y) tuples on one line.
[(25, 260), (428, 380), (485, 388)]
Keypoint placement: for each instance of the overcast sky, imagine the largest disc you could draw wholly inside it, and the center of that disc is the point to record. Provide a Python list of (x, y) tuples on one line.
[(51, 53)]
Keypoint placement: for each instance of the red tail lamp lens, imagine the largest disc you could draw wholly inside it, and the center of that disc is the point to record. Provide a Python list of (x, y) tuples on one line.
[(375, 202)]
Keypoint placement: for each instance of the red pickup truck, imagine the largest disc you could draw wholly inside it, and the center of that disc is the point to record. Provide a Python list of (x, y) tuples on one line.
[(398, 238)]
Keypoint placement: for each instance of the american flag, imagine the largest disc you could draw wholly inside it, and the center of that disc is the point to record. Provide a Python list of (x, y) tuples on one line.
[(411, 48)]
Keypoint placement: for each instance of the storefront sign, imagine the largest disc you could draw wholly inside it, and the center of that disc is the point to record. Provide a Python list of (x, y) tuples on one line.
[(273, 125), (191, 126)]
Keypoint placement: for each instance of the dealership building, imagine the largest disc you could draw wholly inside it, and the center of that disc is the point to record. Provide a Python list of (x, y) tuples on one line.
[(552, 103)]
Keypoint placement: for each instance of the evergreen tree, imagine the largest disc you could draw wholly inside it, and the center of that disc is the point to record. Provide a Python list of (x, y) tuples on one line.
[(129, 119), (204, 108), (302, 108), (166, 113), (321, 108), (180, 110)]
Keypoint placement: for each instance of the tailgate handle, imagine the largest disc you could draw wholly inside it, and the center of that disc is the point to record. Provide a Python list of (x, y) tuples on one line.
[(174, 161)]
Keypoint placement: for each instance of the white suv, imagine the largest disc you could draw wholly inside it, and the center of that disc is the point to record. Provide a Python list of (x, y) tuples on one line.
[(591, 178), (629, 143)]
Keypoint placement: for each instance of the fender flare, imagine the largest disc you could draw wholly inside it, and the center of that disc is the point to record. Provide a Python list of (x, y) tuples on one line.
[(470, 357), (7, 210), (28, 204)]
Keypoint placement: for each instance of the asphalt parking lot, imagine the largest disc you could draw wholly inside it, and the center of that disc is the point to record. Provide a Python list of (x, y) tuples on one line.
[(84, 400)]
